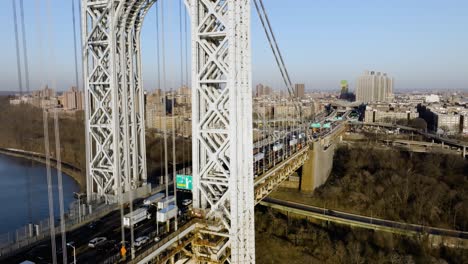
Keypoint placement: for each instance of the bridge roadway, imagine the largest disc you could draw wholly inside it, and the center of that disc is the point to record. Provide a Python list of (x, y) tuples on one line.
[(264, 184), (360, 220)]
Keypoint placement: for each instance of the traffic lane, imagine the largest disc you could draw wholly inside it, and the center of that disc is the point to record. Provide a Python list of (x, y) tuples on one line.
[(110, 227), (92, 254), (79, 236), (145, 229), (148, 229)]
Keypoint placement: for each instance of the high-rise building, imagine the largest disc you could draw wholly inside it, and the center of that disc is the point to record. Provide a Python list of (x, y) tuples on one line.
[(259, 90), (72, 99), (374, 87), (45, 93), (344, 87), (154, 107), (299, 90), (267, 90)]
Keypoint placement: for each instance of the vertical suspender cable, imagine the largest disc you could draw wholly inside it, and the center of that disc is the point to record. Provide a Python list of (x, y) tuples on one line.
[(49, 186), (18, 57), (158, 59), (26, 77), (25, 48), (47, 155), (189, 154), (182, 79), (164, 124), (74, 44), (174, 126), (57, 145), (60, 187)]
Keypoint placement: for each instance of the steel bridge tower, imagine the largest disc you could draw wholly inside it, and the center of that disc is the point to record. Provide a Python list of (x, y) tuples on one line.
[(221, 115)]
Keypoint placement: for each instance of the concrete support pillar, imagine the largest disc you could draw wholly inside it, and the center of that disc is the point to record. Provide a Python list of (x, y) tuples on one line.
[(307, 174), (317, 168)]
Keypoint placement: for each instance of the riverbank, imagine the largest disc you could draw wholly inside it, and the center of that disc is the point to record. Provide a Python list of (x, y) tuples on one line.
[(74, 172)]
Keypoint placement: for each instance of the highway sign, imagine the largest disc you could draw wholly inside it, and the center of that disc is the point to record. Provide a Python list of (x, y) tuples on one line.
[(184, 182)]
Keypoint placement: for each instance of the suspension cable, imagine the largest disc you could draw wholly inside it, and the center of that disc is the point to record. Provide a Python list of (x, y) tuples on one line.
[(74, 45), (164, 123), (187, 76), (20, 86), (18, 57), (182, 78), (276, 51), (57, 145), (25, 48), (158, 59)]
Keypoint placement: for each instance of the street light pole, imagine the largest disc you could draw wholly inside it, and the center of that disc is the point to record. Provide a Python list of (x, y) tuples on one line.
[(74, 252)]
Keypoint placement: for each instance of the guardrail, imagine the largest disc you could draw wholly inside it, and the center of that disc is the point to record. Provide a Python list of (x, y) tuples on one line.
[(33, 233), (362, 221)]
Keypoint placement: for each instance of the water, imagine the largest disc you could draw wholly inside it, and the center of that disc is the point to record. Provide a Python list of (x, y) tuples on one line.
[(23, 192)]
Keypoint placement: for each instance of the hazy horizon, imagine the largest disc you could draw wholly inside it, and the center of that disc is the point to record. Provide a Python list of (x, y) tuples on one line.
[(421, 44)]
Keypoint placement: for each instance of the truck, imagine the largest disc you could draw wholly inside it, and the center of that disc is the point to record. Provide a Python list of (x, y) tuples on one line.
[(259, 156), (154, 199), (165, 202), (167, 213), (277, 147), (136, 217), (293, 142)]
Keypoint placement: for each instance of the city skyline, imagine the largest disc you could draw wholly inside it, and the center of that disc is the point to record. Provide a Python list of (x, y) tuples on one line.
[(421, 45)]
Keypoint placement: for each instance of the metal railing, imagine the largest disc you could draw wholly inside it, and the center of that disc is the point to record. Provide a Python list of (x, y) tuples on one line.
[(32, 233)]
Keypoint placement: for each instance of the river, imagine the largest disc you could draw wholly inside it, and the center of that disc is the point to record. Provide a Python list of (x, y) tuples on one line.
[(23, 192)]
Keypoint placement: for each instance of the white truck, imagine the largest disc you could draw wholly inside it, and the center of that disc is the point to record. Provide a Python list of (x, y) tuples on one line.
[(277, 147), (136, 217), (259, 156), (167, 213), (165, 202), (154, 199), (293, 142)]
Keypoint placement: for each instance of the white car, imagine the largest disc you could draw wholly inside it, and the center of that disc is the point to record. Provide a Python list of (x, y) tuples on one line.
[(96, 241), (186, 202), (141, 241), (157, 239)]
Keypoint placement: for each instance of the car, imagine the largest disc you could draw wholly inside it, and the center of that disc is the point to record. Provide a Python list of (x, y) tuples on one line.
[(157, 239), (95, 224), (186, 202), (96, 241), (140, 241), (107, 246)]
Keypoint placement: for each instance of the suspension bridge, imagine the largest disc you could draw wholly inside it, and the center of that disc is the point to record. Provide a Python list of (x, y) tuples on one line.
[(231, 173)]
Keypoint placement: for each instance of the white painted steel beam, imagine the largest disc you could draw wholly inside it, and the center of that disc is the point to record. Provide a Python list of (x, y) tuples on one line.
[(222, 123), (222, 111), (115, 134)]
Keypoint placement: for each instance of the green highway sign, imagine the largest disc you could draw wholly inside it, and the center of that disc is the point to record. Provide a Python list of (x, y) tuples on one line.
[(184, 182)]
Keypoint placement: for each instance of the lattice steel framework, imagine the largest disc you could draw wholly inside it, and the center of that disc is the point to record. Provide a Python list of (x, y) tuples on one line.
[(115, 150), (222, 128), (222, 114)]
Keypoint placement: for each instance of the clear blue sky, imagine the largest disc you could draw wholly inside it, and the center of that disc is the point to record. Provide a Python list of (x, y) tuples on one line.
[(423, 44)]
